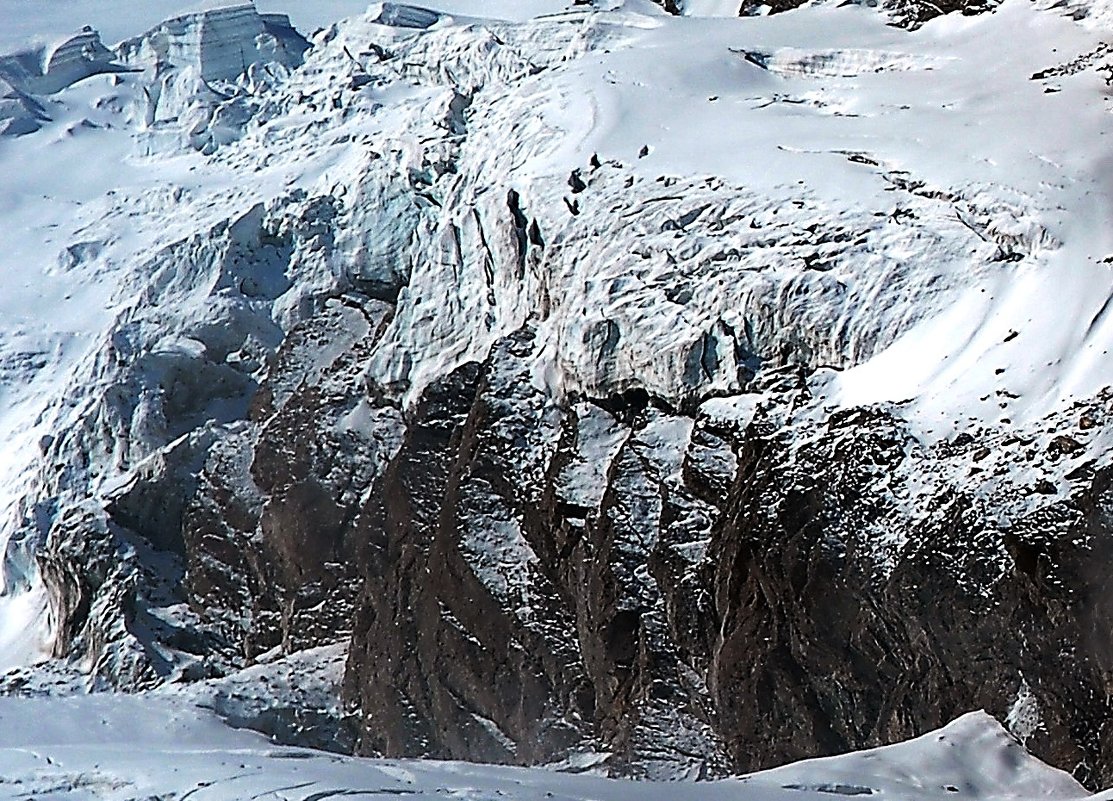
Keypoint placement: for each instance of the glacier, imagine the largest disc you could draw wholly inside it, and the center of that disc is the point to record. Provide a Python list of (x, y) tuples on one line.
[(580, 311)]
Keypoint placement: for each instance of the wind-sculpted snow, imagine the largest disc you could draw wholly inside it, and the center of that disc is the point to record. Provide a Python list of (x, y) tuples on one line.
[(570, 375), (50, 68)]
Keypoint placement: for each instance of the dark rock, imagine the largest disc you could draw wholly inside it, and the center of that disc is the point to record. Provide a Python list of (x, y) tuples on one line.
[(506, 616), (1063, 445)]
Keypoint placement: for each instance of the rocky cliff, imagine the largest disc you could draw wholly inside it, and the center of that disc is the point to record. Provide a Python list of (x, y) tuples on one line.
[(607, 388)]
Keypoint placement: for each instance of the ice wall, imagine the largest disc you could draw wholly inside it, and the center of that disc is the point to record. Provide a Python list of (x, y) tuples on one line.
[(49, 68), (221, 42)]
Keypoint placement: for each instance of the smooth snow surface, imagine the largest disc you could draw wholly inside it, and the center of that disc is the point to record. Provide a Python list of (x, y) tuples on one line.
[(119, 748)]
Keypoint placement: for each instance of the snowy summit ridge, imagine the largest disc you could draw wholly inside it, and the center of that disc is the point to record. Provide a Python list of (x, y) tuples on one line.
[(667, 393)]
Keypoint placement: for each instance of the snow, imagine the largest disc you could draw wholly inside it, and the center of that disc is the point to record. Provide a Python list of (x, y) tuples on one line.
[(1028, 167), (130, 747), (711, 8), (964, 278), (22, 635), (221, 43), (598, 440), (836, 83), (828, 126), (25, 21), (973, 755), (1023, 718)]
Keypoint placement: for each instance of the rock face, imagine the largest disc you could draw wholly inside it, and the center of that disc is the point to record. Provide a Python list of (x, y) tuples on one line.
[(989, 603), (907, 13), (508, 591), (552, 452), (718, 598), (268, 535)]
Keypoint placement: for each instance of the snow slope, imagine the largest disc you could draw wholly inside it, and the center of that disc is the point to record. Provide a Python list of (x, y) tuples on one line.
[(671, 205), (119, 748), (855, 114)]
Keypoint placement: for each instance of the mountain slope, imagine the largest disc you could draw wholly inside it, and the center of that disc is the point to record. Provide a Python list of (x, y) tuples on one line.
[(688, 391)]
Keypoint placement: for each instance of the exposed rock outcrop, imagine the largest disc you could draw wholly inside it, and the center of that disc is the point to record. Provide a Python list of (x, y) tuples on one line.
[(547, 452)]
